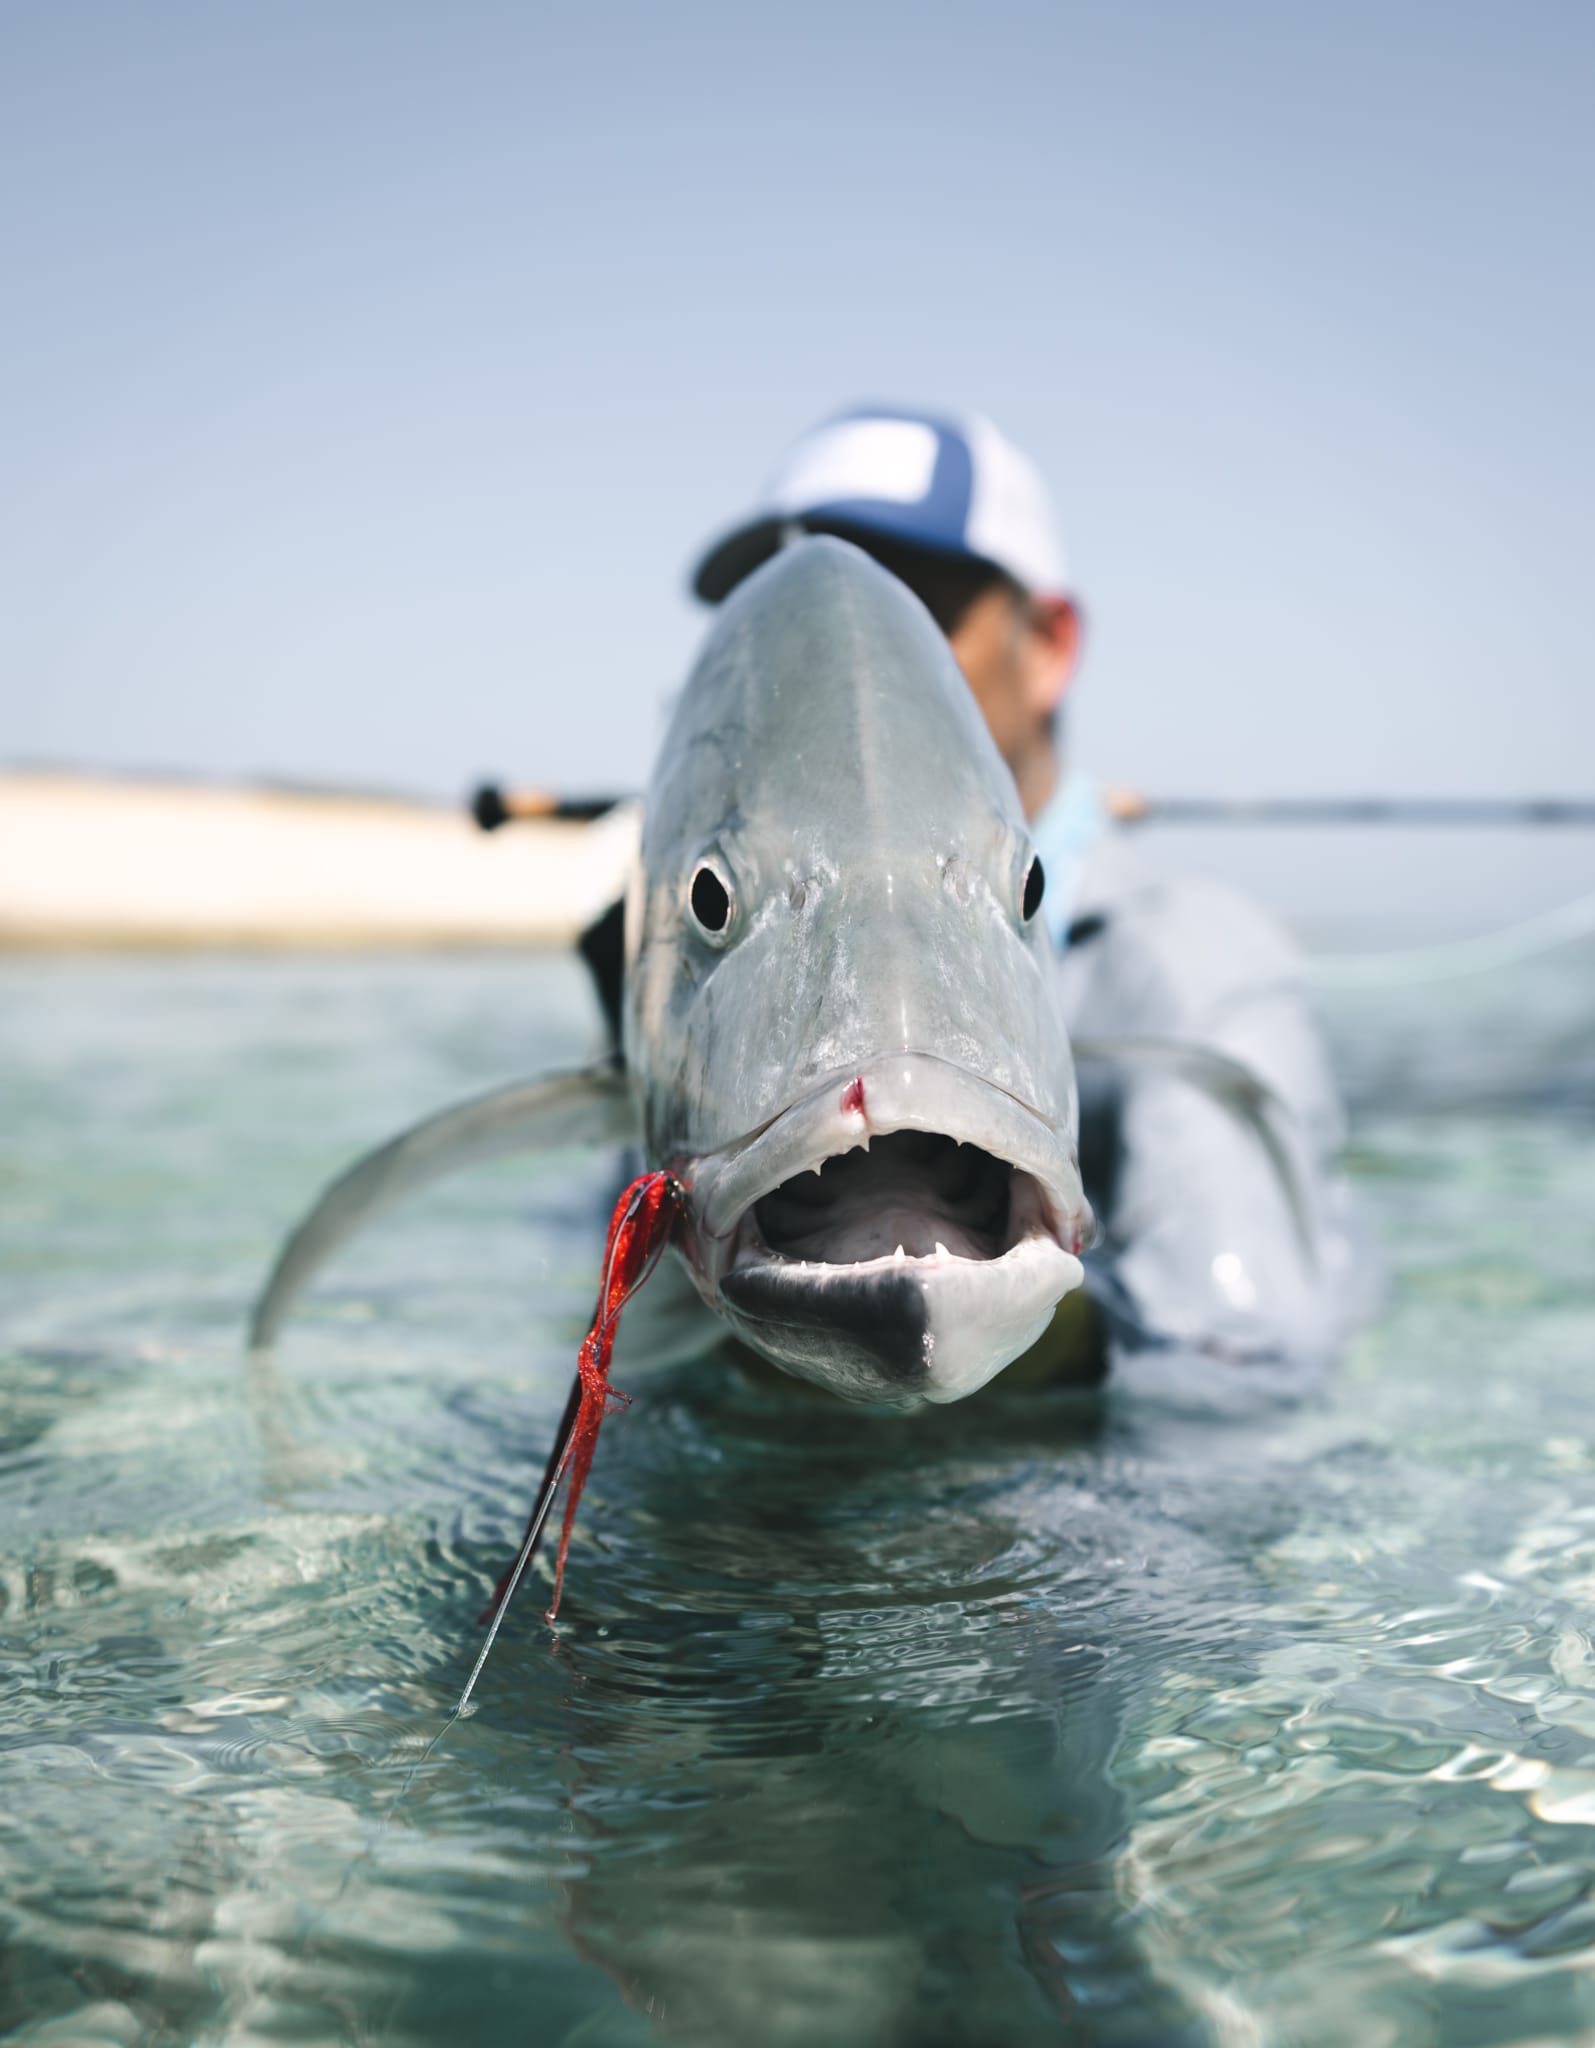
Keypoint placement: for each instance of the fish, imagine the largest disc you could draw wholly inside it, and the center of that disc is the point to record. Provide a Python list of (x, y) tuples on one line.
[(841, 1035)]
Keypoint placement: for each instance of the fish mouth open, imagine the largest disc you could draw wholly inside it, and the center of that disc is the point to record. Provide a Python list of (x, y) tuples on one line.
[(906, 1197), (898, 1237)]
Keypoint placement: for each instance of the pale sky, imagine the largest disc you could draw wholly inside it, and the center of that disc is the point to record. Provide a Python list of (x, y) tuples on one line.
[(370, 374)]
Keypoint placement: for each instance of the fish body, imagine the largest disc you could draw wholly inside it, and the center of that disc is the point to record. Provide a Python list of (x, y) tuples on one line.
[(841, 1025)]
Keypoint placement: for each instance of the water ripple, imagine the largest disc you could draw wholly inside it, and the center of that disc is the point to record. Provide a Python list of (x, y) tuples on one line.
[(1183, 1716)]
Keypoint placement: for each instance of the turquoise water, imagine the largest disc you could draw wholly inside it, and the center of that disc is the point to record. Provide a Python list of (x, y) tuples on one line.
[(1198, 1715)]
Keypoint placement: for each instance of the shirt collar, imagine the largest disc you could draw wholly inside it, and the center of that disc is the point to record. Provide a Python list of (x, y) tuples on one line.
[(1063, 835)]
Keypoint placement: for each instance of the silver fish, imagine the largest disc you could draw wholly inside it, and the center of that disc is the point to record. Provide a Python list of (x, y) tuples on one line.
[(841, 1031)]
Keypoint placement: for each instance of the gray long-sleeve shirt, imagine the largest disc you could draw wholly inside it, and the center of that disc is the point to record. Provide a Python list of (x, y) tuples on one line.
[(1210, 1234)]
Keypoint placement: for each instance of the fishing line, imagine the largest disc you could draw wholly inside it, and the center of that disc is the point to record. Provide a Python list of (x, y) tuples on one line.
[(1531, 936), (647, 1212), (502, 1600)]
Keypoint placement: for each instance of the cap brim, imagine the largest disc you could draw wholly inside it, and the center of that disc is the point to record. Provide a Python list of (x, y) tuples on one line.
[(745, 548), (735, 555)]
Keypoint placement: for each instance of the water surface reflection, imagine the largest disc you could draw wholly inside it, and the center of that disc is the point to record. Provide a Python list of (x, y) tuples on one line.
[(1200, 1713)]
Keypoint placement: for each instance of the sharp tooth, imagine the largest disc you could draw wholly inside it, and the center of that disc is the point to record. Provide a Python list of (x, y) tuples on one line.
[(900, 1253), (941, 1250)]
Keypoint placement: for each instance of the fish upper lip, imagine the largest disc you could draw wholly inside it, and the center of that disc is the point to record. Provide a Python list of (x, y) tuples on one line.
[(902, 1091)]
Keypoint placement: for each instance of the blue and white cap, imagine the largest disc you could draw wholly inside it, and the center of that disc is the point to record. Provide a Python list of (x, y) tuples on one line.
[(955, 485)]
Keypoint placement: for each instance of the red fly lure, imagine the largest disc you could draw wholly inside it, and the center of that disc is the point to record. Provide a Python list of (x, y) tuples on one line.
[(639, 1230)]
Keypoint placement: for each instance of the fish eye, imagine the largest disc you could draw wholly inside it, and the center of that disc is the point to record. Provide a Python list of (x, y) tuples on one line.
[(1035, 887), (710, 899)]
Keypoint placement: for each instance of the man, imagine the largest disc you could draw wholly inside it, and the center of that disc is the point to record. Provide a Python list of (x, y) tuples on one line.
[(1208, 1138), (955, 511)]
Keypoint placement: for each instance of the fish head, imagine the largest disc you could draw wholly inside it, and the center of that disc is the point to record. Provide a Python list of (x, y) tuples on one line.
[(841, 1024)]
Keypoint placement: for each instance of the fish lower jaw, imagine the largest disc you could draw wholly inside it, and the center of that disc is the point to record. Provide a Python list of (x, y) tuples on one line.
[(897, 1330)]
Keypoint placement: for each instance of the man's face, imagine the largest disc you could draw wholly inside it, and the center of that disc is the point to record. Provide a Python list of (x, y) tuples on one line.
[(1017, 653)]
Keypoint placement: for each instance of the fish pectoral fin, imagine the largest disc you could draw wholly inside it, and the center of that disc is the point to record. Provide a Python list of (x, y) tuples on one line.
[(589, 1106), (1237, 1088)]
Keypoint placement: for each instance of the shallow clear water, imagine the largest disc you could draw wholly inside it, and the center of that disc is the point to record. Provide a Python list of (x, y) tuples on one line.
[(1193, 1716)]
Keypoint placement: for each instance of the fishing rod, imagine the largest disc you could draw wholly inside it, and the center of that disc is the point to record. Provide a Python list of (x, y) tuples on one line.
[(1131, 807), (492, 806)]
